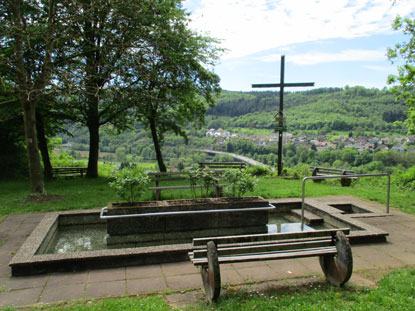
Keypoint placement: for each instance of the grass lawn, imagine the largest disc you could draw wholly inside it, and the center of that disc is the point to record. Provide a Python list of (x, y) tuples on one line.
[(84, 193)]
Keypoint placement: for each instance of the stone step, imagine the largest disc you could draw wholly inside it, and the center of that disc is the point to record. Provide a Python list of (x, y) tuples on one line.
[(309, 217)]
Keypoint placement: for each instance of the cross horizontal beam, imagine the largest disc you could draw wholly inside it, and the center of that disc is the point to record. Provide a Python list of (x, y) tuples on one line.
[(284, 85)]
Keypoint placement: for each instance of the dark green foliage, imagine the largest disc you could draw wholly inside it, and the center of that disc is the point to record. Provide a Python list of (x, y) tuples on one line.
[(332, 109), (13, 159), (406, 179), (259, 170), (404, 82)]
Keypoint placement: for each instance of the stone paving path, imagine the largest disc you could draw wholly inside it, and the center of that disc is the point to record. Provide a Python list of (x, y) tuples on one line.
[(182, 280)]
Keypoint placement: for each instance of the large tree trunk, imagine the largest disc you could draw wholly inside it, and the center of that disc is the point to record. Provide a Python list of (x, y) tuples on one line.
[(37, 185), (43, 146), (93, 128), (157, 146)]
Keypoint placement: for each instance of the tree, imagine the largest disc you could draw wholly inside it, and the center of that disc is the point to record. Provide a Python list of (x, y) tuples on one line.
[(405, 80), (174, 86), (29, 32)]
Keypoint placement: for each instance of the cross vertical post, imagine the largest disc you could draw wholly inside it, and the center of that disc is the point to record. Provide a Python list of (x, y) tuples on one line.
[(281, 85)]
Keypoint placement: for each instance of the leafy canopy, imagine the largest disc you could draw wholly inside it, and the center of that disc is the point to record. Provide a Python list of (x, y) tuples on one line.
[(405, 80)]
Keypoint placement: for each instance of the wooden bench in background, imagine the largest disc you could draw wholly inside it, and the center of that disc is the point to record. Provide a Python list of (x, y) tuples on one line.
[(159, 177), (222, 165), (69, 171), (331, 245), (323, 171)]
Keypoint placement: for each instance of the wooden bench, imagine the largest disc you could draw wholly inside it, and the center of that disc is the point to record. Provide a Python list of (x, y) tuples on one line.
[(222, 165), (178, 176), (323, 171), (330, 245), (69, 171)]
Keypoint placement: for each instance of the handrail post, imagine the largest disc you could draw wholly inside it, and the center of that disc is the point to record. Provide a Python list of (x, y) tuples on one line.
[(388, 194), (302, 204)]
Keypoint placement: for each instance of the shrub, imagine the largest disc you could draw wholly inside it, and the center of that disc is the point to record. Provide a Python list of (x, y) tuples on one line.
[(406, 179), (298, 172), (240, 182), (203, 177), (259, 170), (130, 183)]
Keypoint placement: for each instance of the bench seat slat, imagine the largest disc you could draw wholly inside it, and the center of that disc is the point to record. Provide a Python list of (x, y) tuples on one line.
[(268, 237), (267, 247), (270, 256)]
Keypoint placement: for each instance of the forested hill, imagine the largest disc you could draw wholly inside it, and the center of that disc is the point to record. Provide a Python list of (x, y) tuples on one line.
[(333, 108)]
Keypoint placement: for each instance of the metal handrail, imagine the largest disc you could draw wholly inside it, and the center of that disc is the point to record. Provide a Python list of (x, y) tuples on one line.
[(344, 176), (247, 209)]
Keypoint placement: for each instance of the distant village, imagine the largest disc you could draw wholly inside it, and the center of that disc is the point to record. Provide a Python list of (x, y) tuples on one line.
[(321, 142)]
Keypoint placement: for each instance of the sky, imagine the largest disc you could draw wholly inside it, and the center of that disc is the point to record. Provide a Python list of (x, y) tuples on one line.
[(333, 43)]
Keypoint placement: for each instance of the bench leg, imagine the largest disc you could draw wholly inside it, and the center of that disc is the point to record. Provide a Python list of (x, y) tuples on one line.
[(345, 182), (338, 269), (158, 195), (211, 273), (218, 191)]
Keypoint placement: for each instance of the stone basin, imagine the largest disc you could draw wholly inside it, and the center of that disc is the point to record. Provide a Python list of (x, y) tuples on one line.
[(229, 218)]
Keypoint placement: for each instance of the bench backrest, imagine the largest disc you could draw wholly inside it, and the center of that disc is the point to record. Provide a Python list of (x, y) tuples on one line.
[(221, 240), (69, 170), (328, 170), (222, 164)]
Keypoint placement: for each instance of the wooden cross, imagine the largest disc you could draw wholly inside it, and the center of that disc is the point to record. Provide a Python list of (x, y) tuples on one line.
[(281, 85)]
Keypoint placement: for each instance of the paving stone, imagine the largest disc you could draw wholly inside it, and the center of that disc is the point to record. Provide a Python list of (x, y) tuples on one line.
[(378, 258), (21, 297), (105, 289), (140, 286), (255, 274), (103, 275), (3, 282), (312, 264), (179, 268), (140, 272), (68, 278), (34, 218), (249, 264), (288, 268), (53, 293), (184, 281), (5, 257), (230, 277), (16, 219), (359, 280), (360, 263), (25, 229), (22, 282), (5, 271)]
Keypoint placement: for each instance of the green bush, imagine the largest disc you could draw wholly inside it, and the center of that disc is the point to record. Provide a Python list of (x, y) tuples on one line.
[(297, 172), (239, 182), (130, 183), (63, 160), (202, 177), (259, 170), (406, 179)]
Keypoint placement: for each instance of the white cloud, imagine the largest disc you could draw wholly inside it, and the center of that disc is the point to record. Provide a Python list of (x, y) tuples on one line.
[(378, 68), (247, 26), (343, 56)]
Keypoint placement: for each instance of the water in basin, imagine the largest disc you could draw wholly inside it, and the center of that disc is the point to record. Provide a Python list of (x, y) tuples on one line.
[(78, 238)]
